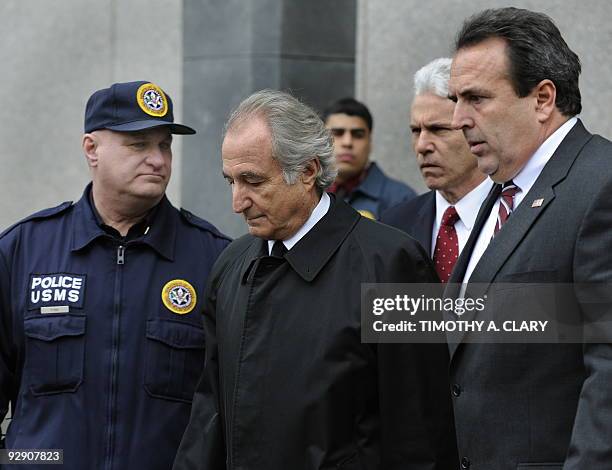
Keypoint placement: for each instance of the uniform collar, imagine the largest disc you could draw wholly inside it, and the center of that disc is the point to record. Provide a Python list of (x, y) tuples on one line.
[(373, 183), (136, 231), (347, 187), (160, 236)]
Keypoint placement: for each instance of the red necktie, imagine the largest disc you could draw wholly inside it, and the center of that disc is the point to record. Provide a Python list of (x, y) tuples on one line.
[(506, 204), (447, 245)]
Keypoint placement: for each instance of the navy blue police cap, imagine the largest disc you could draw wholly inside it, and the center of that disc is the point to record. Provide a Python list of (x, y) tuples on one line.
[(131, 106)]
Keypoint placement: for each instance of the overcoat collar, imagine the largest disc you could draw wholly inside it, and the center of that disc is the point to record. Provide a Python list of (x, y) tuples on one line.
[(310, 255)]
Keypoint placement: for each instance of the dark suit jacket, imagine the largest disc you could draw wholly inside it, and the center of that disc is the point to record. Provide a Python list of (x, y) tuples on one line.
[(520, 405), (414, 217)]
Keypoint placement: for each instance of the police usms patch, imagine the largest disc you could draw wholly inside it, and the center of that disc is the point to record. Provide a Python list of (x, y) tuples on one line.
[(56, 292), (179, 296), (152, 100)]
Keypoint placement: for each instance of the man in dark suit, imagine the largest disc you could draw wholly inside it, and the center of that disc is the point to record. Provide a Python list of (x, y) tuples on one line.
[(442, 219), (531, 406)]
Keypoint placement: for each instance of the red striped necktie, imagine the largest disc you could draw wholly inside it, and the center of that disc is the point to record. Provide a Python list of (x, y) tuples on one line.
[(506, 204)]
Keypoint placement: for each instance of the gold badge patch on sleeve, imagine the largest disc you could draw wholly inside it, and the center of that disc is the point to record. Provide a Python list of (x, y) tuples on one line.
[(179, 296), (152, 100)]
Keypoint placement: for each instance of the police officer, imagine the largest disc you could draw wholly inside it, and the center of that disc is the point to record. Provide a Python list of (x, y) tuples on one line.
[(101, 341)]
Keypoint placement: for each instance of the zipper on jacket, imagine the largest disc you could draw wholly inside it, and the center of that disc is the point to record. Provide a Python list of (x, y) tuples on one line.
[(120, 254), (112, 399)]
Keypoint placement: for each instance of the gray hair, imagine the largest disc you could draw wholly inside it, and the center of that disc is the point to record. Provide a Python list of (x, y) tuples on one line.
[(433, 78), (298, 134)]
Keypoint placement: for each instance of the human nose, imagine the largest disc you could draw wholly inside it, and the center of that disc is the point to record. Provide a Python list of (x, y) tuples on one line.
[(156, 157), (461, 117), (240, 199), (347, 139), (423, 143)]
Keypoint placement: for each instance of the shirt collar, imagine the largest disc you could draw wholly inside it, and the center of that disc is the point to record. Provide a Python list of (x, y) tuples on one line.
[(468, 206), (530, 172), (317, 214)]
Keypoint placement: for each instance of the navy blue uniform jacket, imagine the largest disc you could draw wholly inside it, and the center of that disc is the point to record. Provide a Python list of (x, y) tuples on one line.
[(91, 359), (377, 193)]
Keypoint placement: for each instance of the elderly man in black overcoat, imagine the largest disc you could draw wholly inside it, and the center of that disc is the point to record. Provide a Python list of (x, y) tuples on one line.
[(288, 383)]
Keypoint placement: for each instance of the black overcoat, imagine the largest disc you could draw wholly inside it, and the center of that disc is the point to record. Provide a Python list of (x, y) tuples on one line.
[(289, 385)]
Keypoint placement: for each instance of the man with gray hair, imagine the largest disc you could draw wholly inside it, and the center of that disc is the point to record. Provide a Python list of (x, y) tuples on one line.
[(442, 219), (287, 382)]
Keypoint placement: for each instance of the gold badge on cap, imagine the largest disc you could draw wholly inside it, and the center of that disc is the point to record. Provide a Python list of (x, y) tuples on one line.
[(367, 214), (152, 100), (179, 296)]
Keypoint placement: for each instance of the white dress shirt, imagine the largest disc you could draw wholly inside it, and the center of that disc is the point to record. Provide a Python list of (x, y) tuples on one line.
[(467, 208), (317, 214), (524, 180)]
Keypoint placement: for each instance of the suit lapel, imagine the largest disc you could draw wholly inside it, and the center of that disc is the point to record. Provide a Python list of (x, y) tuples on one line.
[(517, 226), (423, 227), (452, 289), (466, 254), (520, 221), (514, 230)]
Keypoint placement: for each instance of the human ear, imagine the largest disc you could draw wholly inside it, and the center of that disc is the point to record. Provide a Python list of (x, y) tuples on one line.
[(90, 147), (545, 94), (309, 176)]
